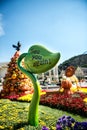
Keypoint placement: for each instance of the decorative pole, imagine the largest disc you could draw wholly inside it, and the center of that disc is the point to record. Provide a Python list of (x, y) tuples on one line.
[(37, 60)]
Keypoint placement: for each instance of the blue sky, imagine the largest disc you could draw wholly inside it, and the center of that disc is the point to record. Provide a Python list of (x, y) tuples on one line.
[(59, 25)]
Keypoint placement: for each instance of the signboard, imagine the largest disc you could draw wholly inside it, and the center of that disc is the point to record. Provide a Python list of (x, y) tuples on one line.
[(39, 59)]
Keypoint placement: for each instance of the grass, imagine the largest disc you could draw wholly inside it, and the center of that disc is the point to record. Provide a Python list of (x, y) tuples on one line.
[(13, 116)]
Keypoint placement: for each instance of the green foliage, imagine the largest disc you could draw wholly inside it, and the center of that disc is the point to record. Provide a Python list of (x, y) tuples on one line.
[(85, 65), (79, 60)]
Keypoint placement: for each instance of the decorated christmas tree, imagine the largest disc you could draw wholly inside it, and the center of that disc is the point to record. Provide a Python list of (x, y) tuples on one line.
[(15, 82)]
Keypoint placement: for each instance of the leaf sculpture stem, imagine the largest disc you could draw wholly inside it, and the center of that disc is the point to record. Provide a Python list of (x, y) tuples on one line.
[(33, 108)]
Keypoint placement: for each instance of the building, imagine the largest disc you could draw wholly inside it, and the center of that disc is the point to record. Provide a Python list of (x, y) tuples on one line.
[(3, 69), (50, 76)]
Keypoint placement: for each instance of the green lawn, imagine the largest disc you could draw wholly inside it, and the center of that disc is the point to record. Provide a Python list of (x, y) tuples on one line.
[(13, 116)]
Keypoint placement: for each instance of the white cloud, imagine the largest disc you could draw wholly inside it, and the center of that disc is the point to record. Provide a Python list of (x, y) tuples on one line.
[(1, 26)]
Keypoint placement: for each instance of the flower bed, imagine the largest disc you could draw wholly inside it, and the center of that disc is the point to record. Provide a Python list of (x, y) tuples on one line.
[(70, 102), (20, 97), (68, 123), (13, 116)]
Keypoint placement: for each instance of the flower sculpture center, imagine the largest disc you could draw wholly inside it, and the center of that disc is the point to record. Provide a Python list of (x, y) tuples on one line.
[(37, 60)]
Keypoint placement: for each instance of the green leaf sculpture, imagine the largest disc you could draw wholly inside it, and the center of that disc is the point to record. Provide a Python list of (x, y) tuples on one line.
[(37, 60)]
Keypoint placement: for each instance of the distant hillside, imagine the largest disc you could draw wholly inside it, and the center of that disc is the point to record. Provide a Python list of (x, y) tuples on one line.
[(80, 60)]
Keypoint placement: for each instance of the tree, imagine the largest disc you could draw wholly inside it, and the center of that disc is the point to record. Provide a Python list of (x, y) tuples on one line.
[(15, 82)]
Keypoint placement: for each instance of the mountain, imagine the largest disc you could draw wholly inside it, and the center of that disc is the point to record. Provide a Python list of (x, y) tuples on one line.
[(80, 60)]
